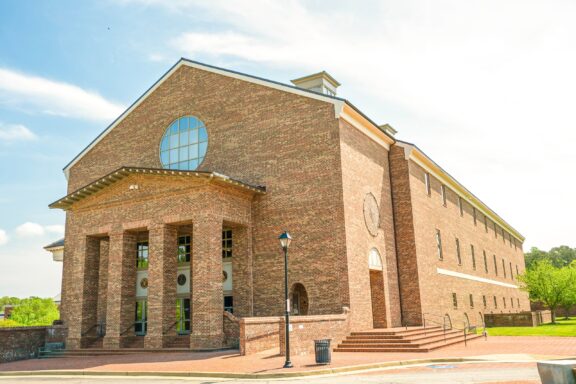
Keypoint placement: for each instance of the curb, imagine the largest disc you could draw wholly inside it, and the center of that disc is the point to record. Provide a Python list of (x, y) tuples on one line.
[(231, 375)]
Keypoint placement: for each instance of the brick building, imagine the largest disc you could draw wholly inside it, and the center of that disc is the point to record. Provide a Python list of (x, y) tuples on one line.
[(173, 214)]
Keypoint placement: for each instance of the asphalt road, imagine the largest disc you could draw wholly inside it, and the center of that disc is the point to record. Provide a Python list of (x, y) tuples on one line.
[(432, 374)]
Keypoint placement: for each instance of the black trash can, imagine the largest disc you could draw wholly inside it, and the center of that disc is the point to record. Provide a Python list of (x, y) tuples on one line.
[(322, 349)]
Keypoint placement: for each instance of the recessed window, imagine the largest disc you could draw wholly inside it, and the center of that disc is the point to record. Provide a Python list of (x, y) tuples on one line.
[(427, 182), (458, 255), (495, 265), (495, 230), (504, 301), (512, 302), (517, 272), (511, 274), (485, 262), (474, 215), (518, 302), (454, 300), (485, 224), (227, 244), (443, 190), (473, 256), (504, 268), (495, 302), (184, 144), (471, 301), (183, 249), (484, 300), (439, 245), (142, 255), (461, 206)]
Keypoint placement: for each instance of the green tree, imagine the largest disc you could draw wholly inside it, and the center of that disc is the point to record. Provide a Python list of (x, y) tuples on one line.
[(35, 311), (561, 256), (548, 284), (8, 300)]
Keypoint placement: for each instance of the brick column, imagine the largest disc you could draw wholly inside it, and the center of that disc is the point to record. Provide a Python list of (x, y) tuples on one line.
[(121, 290), (103, 279), (89, 283), (162, 270), (207, 291), (242, 271)]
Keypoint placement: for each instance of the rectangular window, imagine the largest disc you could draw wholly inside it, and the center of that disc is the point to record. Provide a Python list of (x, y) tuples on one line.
[(510, 240), (461, 206), (484, 300), (495, 230), (473, 256), (229, 304), (512, 302), (474, 215), (142, 255), (183, 316), (184, 249), (504, 268), (454, 300), (141, 318), (471, 301), (485, 224), (495, 302), (511, 274), (227, 243), (439, 245), (518, 302), (443, 190), (495, 265), (485, 262), (504, 302), (517, 272), (458, 252), (427, 182), (503, 237), (515, 245)]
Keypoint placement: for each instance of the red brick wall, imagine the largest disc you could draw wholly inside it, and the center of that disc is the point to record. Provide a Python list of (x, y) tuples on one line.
[(524, 319), (260, 334), (23, 342), (231, 331)]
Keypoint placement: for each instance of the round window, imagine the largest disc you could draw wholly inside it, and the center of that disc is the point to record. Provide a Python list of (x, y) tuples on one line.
[(184, 144)]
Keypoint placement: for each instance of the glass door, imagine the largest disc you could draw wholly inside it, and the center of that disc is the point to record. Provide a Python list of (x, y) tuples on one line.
[(183, 316), (141, 318)]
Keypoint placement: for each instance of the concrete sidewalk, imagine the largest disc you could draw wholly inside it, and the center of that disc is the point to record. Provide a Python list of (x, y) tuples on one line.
[(263, 365)]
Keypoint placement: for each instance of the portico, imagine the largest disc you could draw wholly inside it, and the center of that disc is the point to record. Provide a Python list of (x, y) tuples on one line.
[(156, 272)]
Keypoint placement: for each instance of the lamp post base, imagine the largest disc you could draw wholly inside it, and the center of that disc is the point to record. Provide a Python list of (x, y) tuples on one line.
[(287, 364)]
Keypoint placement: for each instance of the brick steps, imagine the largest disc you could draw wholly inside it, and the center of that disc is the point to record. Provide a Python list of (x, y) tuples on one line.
[(415, 340)]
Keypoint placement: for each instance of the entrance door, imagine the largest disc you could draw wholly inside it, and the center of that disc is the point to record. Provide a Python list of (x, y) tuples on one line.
[(377, 294), (141, 318), (183, 316)]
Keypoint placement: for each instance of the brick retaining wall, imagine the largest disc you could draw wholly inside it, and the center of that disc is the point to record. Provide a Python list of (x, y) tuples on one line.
[(23, 342), (523, 319), (264, 333)]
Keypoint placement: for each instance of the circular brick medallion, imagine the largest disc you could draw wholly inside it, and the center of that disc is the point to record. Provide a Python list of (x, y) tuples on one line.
[(181, 279), (144, 283), (371, 214)]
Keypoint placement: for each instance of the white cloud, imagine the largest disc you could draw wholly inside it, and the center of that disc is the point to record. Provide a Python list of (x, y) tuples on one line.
[(29, 229), (53, 97), (57, 229), (3, 237), (15, 132)]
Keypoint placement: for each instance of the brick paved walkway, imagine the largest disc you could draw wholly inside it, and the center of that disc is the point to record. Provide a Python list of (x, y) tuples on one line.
[(496, 348)]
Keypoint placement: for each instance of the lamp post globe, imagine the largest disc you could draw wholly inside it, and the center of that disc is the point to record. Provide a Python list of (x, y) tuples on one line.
[(285, 240)]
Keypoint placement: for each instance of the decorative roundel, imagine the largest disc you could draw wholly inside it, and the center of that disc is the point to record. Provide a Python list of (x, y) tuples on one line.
[(224, 276), (371, 214), (181, 279), (144, 283), (184, 144)]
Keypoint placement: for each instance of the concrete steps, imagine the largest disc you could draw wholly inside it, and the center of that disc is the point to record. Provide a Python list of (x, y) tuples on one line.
[(411, 340)]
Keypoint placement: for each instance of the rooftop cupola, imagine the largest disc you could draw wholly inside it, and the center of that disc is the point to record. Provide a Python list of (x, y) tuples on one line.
[(319, 82)]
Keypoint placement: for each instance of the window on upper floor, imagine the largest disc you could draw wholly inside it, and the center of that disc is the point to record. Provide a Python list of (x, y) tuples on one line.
[(484, 301), (485, 224), (471, 297), (184, 249), (485, 262), (512, 302), (495, 302), (461, 206), (184, 144), (474, 215), (227, 244), (142, 255), (443, 191), (495, 230), (495, 265), (473, 256), (504, 268), (458, 255), (518, 302), (427, 182), (454, 300), (511, 274), (517, 271), (504, 301), (439, 245)]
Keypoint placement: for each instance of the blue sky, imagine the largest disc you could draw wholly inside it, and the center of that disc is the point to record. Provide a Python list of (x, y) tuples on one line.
[(484, 87)]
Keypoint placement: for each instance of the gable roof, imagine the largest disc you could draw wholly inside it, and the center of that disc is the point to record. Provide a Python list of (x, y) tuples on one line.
[(67, 201), (340, 104)]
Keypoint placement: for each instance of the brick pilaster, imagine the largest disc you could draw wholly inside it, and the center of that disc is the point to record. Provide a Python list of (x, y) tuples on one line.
[(90, 287), (242, 271), (207, 287), (162, 271)]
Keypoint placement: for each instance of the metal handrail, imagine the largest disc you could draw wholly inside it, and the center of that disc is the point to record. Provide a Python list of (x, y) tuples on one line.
[(169, 328), (127, 329), (88, 330)]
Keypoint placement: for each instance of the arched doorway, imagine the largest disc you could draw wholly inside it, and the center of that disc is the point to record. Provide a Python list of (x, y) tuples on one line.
[(377, 289), (298, 300)]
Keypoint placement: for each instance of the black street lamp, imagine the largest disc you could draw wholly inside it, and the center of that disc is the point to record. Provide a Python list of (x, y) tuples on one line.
[(285, 240)]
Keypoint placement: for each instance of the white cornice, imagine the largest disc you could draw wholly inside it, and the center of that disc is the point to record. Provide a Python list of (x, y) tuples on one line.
[(358, 121), (474, 278), (417, 156)]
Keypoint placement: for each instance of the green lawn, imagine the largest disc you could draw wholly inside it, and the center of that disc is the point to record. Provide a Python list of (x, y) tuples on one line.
[(561, 328)]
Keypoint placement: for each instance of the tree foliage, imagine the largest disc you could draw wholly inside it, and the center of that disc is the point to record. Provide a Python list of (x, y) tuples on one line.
[(35, 311), (8, 300), (561, 256), (554, 287)]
